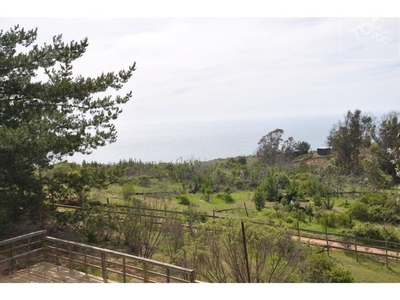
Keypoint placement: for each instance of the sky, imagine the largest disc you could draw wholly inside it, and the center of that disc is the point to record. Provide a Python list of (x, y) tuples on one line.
[(208, 69)]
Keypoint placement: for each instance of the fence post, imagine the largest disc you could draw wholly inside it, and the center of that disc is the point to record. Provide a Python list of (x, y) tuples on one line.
[(298, 229), (104, 266), (327, 241), (355, 246), (165, 209), (386, 257), (213, 213), (245, 253), (168, 275), (245, 207)]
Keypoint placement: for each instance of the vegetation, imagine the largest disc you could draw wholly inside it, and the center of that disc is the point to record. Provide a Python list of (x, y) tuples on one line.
[(44, 120), (189, 213)]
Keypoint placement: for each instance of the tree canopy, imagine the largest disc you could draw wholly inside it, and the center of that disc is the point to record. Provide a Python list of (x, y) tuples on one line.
[(347, 138), (46, 112)]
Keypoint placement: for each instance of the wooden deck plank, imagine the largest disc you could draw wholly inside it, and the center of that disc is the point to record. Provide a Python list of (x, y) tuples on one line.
[(49, 273)]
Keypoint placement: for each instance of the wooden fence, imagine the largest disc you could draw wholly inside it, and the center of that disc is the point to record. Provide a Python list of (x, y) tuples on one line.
[(328, 240), (29, 249), (351, 243)]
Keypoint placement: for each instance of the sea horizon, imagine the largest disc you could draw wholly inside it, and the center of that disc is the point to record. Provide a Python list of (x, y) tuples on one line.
[(208, 140)]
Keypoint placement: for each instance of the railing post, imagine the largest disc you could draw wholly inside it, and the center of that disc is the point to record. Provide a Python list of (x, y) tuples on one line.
[(85, 260), (12, 257), (124, 268), (168, 276), (192, 276), (44, 248), (28, 256), (145, 274), (57, 254), (104, 266), (70, 256)]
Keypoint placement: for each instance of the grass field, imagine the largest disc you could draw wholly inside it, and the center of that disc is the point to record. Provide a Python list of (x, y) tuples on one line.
[(368, 269)]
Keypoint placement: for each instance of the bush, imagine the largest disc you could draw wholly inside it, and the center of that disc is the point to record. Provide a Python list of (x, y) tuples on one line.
[(183, 199), (376, 208), (376, 233), (128, 190), (259, 199), (193, 215), (334, 220), (226, 197), (317, 200), (322, 269), (144, 180), (359, 211)]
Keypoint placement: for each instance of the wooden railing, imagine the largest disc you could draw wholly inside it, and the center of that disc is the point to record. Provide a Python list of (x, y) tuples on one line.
[(113, 265), (22, 251), (29, 249)]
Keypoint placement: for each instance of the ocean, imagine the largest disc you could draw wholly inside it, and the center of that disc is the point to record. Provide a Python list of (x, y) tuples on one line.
[(174, 142)]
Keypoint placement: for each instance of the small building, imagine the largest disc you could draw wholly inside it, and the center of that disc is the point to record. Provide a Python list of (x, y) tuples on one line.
[(323, 151)]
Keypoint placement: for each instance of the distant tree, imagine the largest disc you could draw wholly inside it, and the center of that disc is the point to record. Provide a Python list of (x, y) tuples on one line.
[(273, 150), (289, 145), (242, 160), (347, 138), (385, 137), (303, 147), (269, 145)]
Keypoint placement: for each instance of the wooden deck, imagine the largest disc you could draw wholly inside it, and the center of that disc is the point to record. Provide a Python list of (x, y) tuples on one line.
[(49, 273), (36, 257)]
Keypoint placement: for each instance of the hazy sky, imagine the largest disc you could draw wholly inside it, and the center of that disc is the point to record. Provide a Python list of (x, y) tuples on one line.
[(207, 69)]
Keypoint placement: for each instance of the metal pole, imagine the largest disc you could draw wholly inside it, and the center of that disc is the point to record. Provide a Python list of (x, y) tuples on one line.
[(245, 253)]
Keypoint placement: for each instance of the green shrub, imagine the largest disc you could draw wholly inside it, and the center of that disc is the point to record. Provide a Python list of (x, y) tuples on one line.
[(193, 215), (321, 269), (259, 199), (227, 197), (317, 200), (128, 191), (144, 180), (375, 233), (183, 199), (359, 211), (334, 220)]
